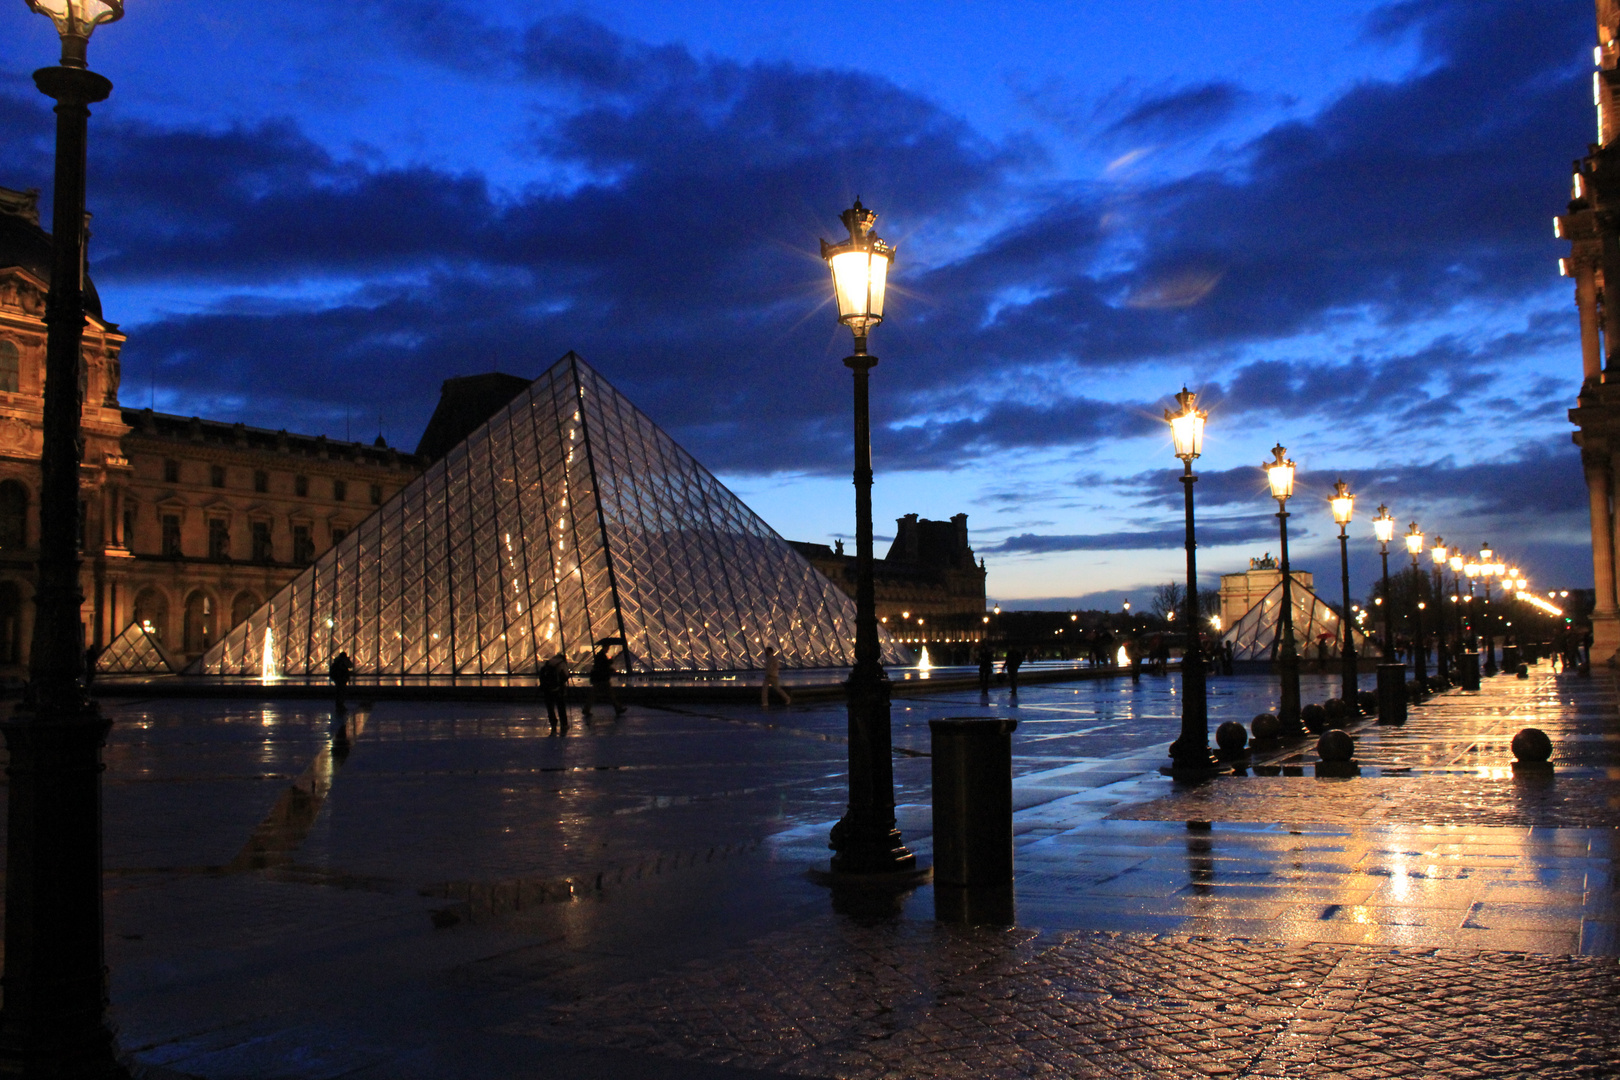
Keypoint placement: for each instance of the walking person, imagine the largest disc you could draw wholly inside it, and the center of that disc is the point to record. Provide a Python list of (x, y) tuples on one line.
[(554, 688), (987, 668), (1014, 661), (602, 681), (340, 670), (773, 680)]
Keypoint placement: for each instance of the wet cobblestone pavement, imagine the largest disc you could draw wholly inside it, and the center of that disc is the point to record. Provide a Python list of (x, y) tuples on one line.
[(439, 890)]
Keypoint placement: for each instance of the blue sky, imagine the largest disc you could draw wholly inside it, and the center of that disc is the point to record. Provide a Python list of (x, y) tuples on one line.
[(1338, 229)]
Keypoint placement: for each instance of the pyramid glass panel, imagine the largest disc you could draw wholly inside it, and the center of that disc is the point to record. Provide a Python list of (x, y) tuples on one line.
[(1255, 635), (134, 652), (566, 519)]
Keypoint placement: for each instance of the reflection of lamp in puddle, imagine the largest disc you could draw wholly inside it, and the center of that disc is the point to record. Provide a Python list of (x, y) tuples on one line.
[(1200, 861)]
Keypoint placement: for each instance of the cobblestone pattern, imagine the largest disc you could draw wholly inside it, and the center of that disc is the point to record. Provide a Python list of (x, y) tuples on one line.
[(1415, 800), (900, 1002)]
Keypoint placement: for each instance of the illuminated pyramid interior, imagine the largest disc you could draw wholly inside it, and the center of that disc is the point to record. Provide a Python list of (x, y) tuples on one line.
[(134, 652), (569, 517), (1254, 637)]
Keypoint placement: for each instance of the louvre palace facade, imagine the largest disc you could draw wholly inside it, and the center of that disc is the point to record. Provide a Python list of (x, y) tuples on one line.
[(188, 524)]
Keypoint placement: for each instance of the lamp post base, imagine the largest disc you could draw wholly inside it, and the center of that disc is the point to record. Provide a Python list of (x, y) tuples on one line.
[(1391, 694), (865, 840)]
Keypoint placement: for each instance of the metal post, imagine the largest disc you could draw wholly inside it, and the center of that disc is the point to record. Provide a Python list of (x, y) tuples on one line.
[(1347, 648), (54, 1021), (1287, 652), (1419, 664), (1490, 644), (1442, 666), (865, 840), (1192, 749), (1391, 674)]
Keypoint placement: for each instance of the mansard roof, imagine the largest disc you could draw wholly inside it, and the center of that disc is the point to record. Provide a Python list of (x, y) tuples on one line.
[(27, 246), (216, 433)]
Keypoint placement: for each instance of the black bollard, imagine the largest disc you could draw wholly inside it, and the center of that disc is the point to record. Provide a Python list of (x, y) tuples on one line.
[(973, 845)]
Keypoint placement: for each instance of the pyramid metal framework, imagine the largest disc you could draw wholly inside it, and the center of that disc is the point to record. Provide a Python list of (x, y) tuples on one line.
[(134, 652), (1254, 636), (568, 518)]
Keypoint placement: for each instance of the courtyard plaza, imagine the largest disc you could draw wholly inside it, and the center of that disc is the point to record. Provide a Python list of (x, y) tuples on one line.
[(416, 889)]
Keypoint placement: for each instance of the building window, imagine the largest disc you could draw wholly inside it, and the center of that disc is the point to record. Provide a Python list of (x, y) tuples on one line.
[(301, 486), (10, 367), (13, 515), (219, 538), (129, 527), (261, 481), (340, 491), (338, 533), (171, 471), (10, 623), (261, 542), (376, 494), (171, 535), (303, 545), (216, 476)]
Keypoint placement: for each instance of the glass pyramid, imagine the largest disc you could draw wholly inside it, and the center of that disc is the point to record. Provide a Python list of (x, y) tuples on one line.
[(1254, 636), (567, 518), (134, 652)]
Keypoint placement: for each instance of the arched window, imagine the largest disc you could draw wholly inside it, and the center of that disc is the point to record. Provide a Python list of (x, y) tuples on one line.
[(245, 604), (13, 515), (10, 623), (152, 611), (199, 630), (10, 367)]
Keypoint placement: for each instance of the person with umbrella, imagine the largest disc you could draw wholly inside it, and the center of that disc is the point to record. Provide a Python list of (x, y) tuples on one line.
[(601, 676), (554, 688)]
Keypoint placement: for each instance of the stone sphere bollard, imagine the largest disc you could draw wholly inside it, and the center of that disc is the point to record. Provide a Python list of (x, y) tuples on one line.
[(1524, 671), (1335, 747), (1232, 739), (1314, 718), (1368, 702), (1265, 726), (1339, 713), (1532, 747)]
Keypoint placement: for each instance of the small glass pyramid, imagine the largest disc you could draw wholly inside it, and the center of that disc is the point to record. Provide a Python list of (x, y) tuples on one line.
[(1255, 635), (134, 652), (566, 519)]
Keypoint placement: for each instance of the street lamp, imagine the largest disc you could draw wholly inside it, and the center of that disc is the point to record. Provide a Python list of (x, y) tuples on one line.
[(1487, 570), (54, 1019), (1344, 505), (1442, 666), (1191, 750), (1391, 675), (866, 840), (1414, 548), (1280, 475)]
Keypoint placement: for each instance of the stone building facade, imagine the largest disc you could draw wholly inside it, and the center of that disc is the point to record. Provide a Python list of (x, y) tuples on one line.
[(1591, 223), (187, 524)]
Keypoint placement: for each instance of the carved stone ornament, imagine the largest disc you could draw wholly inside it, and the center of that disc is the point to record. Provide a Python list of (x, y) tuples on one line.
[(15, 433), (20, 295)]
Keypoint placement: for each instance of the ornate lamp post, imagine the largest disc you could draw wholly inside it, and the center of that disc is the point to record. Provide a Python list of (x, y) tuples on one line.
[(1280, 475), (1414, 548), (1391, 675), (1344, 505), (865, 841), (1442, 666), (1191, 750), (1487, 570), (54, 1020)]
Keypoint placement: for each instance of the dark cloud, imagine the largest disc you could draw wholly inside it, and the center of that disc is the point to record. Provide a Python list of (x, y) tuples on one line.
[(1209, 535), (1180, 111)]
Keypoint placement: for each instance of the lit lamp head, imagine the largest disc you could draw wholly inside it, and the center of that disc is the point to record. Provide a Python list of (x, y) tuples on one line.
[(1414, 541), (1472, 570), (1439, 551), (1187, 426), (1384, 525), (860, 273), (1456, 564), (1343, 503), (1485, 553), (75, 19), (1280, 475)]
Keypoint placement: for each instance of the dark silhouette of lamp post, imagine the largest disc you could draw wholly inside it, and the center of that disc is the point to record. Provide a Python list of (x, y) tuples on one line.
[(1442, 664), (54, 1021), (1487, 570), (1391, 675), (1344, 505), (1280, 475), (1191, 751), (866, 840), (1414, 548)]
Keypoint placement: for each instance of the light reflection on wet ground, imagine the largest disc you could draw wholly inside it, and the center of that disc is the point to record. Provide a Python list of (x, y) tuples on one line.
[(259, 857)]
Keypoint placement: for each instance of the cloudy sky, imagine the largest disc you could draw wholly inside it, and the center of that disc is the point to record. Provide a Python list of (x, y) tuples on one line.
[(1333, 222)]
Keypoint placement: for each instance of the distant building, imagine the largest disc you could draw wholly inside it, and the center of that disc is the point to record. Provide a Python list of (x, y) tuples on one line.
[(1241, 591), (929, 589)]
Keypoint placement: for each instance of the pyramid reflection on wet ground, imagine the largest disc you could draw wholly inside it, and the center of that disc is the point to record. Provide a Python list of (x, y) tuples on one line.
[(569, 517), (1254, 636), (134, 652)]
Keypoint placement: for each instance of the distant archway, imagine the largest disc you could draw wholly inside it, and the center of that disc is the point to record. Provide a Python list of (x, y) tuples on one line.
[(199, 629), (245, 604), (13, 515), (10, 623), (152, 611)]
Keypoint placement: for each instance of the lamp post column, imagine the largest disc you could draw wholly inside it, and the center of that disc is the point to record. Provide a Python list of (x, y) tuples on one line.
[(1192, 749), (54, 1019), (1391, 673), (1490, 644), (1347, 650), (1442, 664), (1287, 651), (1419, 663)]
